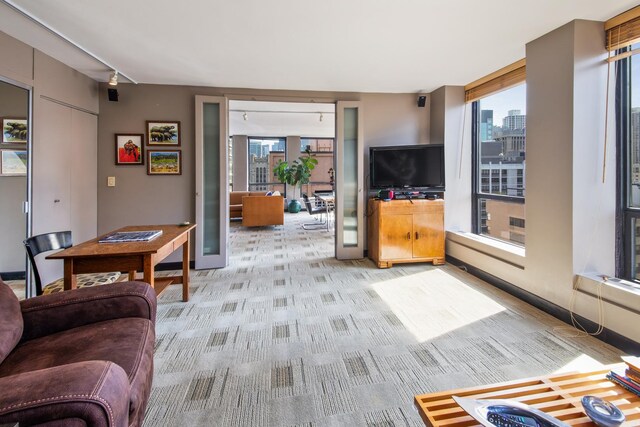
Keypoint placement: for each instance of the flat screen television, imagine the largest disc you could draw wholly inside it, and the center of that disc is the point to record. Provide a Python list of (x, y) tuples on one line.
[(418, 167)]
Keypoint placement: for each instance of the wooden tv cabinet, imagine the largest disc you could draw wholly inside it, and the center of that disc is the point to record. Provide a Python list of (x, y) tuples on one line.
[(402, 231)]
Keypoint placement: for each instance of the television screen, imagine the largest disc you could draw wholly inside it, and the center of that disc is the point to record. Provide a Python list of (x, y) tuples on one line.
[(409, 166)]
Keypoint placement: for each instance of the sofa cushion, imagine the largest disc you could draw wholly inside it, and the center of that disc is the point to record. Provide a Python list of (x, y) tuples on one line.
[(11, 323), (127, 342)]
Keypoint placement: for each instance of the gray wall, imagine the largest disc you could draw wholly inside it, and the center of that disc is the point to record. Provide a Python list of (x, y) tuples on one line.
[(141, 199), (67, 168)]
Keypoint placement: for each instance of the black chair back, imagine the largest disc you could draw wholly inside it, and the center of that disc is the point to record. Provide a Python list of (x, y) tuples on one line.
[(307, 202), (313, 210), (44, 243)]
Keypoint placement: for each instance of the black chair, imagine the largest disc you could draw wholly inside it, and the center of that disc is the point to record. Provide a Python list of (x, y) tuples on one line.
[(47, 242), (314, 210)]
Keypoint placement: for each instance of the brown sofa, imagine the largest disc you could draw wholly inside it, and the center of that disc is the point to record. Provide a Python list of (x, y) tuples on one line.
[(80, 357), (235, 201), (262, 210)]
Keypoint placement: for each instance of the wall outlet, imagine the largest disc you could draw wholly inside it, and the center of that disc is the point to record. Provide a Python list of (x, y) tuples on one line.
[(111, 181)]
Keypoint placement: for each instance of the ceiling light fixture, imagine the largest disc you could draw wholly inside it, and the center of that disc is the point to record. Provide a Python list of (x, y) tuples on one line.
[(321, 116), (113, 80), (244, 116)]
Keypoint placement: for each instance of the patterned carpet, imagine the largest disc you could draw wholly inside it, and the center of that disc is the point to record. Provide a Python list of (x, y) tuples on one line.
[(289, 336)]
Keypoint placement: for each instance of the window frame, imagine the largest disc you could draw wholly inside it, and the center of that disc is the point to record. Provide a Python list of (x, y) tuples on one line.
[(625, 214)]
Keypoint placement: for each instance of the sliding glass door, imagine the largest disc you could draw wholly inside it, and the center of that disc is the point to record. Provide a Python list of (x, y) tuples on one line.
[(212, 177), (349, 181)]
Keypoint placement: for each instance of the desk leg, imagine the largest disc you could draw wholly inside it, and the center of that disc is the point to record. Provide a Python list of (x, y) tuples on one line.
[(185, 269), (132, 275), (69, 278), (148, 270)]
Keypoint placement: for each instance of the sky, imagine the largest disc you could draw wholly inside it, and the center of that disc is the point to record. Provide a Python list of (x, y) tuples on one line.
[(635, 76), (510, 99)]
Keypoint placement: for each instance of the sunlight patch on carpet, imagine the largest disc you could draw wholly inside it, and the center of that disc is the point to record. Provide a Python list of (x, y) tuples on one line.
[(432, 303)]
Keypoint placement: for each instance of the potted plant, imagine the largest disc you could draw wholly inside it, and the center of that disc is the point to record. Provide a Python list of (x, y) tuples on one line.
[(297, 174)]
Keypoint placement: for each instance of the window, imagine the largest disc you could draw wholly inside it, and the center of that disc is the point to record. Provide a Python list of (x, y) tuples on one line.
[(264, 154), (322, 176), (499, 140), (516, 222), (628, 134)]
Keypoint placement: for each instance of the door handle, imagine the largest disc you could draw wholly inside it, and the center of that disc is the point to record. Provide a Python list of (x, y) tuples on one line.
[(417, 235), (408, 235)]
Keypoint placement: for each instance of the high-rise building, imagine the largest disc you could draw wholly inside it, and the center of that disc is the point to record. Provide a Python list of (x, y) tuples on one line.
[(514, 120), (486, 125)]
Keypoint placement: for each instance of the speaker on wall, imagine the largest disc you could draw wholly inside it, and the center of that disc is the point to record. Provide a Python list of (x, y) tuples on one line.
[(422, 101), (113, 94)]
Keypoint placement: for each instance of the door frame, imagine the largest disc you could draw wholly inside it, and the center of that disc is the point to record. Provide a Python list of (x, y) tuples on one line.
[(26, 205)]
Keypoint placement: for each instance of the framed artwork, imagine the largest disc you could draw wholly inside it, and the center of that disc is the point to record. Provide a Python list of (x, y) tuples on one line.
[(129, 149), (14, 131), (13, 162), (163, 133), (164, 162)]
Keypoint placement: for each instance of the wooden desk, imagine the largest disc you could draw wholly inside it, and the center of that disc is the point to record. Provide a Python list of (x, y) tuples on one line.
[(558, 395), (131, 257)]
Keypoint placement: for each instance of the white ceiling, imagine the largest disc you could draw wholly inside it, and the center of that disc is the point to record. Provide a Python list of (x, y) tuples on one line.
[(277, 119), (404, 46)]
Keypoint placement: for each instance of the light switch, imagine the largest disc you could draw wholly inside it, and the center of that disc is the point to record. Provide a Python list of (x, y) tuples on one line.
[(111, 181)]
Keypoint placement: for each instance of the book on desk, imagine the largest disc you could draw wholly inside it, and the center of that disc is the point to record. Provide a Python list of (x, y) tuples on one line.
[(130, 236)]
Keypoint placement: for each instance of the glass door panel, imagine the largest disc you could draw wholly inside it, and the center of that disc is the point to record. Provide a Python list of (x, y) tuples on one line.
[(349, 180), (212, 175)]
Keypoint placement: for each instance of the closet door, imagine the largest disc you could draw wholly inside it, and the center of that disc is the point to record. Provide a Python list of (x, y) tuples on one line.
[(83, 158), (64, 175), (52, 168)]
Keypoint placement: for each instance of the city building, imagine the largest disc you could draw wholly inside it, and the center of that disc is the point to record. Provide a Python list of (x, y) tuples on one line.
[(486, 125), (514, 121)]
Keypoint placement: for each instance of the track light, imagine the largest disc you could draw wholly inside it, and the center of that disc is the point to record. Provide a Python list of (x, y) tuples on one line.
[(321, 116), (244, 116), (113, 80)]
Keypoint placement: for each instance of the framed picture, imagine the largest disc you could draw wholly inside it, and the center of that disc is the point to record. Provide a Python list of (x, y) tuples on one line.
[(164, 162), (13, 162), (129, 149), (163, 133), (14, 131)]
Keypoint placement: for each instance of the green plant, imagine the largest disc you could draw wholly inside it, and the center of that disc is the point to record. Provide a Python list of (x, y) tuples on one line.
[(298, 172)]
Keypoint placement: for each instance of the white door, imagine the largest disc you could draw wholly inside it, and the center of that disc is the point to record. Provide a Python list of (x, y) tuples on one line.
[(349, 181), (212, 182)]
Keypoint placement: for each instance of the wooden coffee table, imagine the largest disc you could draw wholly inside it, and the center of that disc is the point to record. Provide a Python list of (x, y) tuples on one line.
[(557, 395)]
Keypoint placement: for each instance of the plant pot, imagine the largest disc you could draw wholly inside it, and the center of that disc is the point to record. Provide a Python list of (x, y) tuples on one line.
[(294, 206)]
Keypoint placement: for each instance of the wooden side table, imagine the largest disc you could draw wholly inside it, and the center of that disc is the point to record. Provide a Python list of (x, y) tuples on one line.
[(557, 395)]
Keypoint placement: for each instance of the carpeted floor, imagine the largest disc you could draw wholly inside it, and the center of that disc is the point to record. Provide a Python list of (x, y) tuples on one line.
[(287, 335)]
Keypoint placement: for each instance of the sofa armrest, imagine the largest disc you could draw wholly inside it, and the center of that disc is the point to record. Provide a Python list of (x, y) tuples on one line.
[(48, 314), (94, 392)]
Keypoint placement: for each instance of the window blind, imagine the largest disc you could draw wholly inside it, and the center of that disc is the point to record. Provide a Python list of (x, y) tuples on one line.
[(509, 76), (623, 31)]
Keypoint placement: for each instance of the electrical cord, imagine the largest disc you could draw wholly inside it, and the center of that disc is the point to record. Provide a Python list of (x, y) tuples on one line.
[(578, 330)]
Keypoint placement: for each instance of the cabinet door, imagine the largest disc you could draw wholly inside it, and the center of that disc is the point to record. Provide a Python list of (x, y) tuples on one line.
[(428, 235), (395, 237)]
